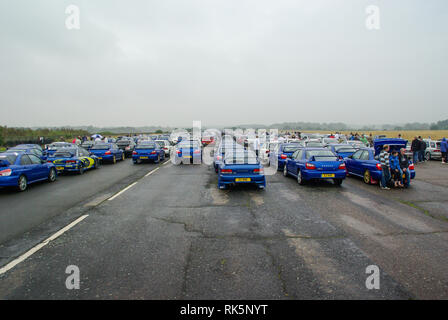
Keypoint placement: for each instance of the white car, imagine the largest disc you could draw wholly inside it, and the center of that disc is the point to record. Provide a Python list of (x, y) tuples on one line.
[(166, 146)]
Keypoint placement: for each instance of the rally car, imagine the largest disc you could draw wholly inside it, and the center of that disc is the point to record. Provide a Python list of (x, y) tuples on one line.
[(107, 152), (315, 164), (75, 159), (148, 151), (19, 169), (241, 167), (188, 151)]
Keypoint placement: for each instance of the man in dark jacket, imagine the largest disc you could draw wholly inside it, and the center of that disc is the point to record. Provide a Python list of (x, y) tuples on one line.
[(404, 165), (422, 150), (415, 148)]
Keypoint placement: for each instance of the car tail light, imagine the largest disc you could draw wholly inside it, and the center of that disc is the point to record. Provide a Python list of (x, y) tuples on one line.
[(49, 161), (70, 161), (341, 166), (310, 166), (259, 170), (226, 171), (378, 166), (153, 152), (165, 148), (267, 151), (5, 173), (283, 156), (179, 152), (134, 152), (128, 147), (411, 166), (436, 150), (197, 151), (108, 152)]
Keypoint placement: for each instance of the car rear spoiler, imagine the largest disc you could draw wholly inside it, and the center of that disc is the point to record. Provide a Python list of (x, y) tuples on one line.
[(4, 163)]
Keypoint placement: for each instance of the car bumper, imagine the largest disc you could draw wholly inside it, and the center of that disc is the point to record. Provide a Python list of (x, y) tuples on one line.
[(235, 179), (108, 157), (62, 168), (144, 157), (11, 181), (313, 174)]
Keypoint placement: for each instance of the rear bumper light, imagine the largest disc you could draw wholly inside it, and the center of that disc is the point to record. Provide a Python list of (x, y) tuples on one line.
[(310, 166), (5, 173), (259, 171), (226, 171)]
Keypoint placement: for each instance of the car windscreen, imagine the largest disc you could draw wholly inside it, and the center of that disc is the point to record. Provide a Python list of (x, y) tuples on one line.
[(344, 149), (146, 146), (101, 147), (11, 158), (321, 155)]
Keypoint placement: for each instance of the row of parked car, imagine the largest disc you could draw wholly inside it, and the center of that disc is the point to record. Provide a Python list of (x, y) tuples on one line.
[(29, 163), (304, 160)]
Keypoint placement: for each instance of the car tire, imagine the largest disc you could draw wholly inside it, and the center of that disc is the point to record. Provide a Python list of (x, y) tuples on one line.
[(22, 183), (337, 182), (367, 178), (285, 171), (81, 170), (427, 156), (52, 175), (300, 178), (97, 164)]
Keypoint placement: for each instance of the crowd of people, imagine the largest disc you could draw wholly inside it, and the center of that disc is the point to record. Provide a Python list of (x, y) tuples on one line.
[(394, 166)]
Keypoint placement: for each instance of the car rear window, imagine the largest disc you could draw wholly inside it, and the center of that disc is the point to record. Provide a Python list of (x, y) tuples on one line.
[(11, 158), (321, 155), (290, 148), (64, 154), (240, 158), (101, 147), (146, 146), (344, 149)]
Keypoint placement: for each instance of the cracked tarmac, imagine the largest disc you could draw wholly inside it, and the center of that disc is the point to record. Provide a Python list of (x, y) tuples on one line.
[(174, 235)]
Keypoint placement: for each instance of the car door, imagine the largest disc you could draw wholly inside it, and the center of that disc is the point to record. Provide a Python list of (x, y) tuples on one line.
[(40, 168), (353, 163), (297, 156), (27, 168)]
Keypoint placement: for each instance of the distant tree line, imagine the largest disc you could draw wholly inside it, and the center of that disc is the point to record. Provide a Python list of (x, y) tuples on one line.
[(13, 136)]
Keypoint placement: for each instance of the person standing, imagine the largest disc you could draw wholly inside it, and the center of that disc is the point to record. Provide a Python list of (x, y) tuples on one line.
[(385, 167), (444, 149), (396, 169), (422, 150), (404, 165), (415, 148)]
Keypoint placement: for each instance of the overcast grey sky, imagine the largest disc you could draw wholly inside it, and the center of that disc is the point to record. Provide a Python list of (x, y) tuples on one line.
[(168, 62)]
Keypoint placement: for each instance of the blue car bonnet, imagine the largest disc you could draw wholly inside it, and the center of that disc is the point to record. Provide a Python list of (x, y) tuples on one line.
[(395, 144)]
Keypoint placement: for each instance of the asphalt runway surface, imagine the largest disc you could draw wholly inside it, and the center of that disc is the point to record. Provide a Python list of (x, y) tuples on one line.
[(173, 235)]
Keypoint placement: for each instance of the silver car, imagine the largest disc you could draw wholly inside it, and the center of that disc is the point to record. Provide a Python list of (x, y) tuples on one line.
[(432, 149)]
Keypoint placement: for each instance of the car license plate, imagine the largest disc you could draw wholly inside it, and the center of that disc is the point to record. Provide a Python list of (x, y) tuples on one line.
[(242, 179), (143, 157), (59, 168), (188, 157), (327, 175)]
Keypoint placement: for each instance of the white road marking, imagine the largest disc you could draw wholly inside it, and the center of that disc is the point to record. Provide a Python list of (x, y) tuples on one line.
[(128, 187), (33, 250), (151, 172)]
